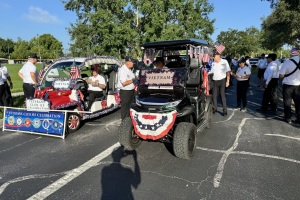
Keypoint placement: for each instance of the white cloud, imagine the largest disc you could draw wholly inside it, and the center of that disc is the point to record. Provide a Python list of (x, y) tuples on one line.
[(39, 15), (5, 6)]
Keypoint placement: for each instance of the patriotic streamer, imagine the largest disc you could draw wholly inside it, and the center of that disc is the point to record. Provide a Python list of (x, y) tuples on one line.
[(219, 48)]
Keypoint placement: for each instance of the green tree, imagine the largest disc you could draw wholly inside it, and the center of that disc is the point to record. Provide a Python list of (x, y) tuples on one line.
[(282, 26), (240, 42), (46, 46), (6, 47), (21, 49), (119, 27)]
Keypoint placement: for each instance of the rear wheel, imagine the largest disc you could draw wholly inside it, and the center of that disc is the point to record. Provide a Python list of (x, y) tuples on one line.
[(184, 141), (73, 122), (127, 136)]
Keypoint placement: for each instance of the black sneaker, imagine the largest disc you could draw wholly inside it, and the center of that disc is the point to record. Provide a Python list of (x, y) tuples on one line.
[(296, 121), (224, 113)]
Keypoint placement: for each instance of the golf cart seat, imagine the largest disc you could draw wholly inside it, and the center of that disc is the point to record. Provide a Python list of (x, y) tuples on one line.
[(195, 79)]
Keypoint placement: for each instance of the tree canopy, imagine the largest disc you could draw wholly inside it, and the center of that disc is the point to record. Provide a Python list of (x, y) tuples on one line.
[(119, 27), (282, 26)]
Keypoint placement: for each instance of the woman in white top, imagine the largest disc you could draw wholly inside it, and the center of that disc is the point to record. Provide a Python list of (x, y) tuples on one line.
[(242, 75), (96, 85)]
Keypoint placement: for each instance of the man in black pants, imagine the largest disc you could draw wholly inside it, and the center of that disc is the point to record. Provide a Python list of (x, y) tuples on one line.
[(291, 86), (126, 86), (271, 76), (221, 70), (28, 74)]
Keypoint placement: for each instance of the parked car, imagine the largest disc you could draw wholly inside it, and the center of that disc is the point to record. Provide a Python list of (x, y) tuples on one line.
[(172, 104), (253, 61), (63, 92)]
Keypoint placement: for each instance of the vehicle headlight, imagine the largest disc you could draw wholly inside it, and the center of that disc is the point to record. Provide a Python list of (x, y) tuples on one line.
[(171, 105)]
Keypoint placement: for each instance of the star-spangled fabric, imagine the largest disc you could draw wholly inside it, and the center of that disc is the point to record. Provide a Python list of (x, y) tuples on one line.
[(152, 126)]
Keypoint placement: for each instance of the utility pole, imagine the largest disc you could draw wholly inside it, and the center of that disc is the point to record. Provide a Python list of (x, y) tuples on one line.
[(39, 47)]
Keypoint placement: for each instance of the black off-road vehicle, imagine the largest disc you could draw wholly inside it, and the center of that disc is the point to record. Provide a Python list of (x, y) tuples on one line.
[(173, 103)]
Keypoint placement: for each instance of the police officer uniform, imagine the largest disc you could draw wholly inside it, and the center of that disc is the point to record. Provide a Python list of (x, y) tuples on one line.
[(291, 85), (125, 84)]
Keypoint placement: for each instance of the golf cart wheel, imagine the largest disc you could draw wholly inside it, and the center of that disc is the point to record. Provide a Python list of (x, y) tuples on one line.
[(184, 141), (127, 136), (208, 116), (73, 122)]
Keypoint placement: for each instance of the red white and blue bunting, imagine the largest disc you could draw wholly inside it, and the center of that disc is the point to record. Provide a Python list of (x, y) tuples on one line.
[(152, 126)]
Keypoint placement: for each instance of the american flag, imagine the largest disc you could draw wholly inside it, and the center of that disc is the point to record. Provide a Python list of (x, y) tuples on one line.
[(219, 48), (74, 72), (40, 75), (191, 52), (206, 57)]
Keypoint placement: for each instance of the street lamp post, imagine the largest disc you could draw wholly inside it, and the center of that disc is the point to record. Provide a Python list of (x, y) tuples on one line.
[(39, 47)]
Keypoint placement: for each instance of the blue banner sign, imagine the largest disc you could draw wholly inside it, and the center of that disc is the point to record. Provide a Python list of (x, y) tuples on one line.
[(51, 123)]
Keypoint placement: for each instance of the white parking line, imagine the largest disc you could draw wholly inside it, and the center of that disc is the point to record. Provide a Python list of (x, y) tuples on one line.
[(220, 169), (47, 191), (284, 136)]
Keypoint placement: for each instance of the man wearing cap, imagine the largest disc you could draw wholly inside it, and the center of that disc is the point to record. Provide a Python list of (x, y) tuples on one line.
[(126, 86), (221, 77), (262, 66), (28, 74), (271, 76), (291, 85)]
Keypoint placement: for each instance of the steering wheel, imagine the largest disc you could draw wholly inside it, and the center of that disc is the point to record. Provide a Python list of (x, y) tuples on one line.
[(82, 85)]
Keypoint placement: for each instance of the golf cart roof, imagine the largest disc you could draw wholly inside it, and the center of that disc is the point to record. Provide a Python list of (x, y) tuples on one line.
[(169, 44)]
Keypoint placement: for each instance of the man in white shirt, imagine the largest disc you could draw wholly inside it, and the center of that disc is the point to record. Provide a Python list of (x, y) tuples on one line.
[(96, 86), (291, 85), (6, 95), (262, 65), (221, 77), (28, 74), (126, 84), (271, 83)]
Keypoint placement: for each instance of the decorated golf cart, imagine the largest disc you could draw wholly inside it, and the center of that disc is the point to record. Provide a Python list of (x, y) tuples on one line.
[(174, 103), (63, 86)]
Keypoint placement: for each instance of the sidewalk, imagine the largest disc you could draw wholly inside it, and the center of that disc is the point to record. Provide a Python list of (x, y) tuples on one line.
[(17, 94)]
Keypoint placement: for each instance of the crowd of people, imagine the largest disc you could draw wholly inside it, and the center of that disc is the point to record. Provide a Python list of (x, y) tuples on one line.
[(270, 70)]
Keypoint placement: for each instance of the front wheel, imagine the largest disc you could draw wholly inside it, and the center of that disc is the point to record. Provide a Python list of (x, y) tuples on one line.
[(184, 141), (73, 122), (127, 136)]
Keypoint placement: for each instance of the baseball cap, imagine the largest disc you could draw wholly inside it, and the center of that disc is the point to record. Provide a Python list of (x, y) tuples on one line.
[(294, 52), (242, 60), (128, 59), (33, 55)]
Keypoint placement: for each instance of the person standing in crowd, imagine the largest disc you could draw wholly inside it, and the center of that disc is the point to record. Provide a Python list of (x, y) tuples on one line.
[(262, 65), (96, 86), (126, 85), (290, 72), (221, 79), (6, 95), (28, 74), (271, 76), (242, 75), (247, 58)]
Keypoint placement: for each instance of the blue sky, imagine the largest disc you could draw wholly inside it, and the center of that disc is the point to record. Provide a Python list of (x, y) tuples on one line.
[(27, 18)]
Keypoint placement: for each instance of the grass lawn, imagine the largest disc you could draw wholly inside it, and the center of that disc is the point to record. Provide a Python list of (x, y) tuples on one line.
[(13, 70)]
